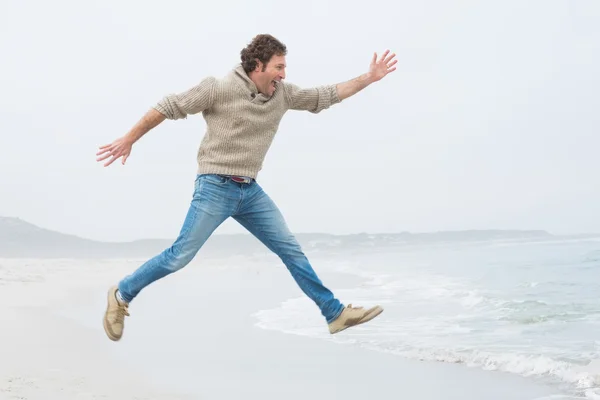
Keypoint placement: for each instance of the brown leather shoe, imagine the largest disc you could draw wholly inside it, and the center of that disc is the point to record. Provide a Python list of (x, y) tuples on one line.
[(114, 317), (352, 316)]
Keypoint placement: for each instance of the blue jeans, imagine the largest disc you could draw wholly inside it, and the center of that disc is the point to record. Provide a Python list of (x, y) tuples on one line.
[(215, 199)]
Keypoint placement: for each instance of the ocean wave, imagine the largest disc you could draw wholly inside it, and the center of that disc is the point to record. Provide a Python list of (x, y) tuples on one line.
[(418, 286), (580, 372), (584, 377), (532, 312)]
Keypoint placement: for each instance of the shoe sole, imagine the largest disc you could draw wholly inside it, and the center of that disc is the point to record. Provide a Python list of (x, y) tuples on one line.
[(378, 310), (104, 320)]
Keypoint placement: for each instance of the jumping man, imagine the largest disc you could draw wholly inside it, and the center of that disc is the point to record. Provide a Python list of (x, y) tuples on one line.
[(242, 112)]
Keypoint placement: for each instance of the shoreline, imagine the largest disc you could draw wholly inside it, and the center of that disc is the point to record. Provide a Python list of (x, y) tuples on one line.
[(193, 335)]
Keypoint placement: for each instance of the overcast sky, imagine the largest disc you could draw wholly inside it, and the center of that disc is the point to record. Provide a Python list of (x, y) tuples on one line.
[(490, 120)]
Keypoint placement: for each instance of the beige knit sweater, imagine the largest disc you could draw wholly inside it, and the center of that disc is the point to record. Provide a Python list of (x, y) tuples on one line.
[(241, 123)]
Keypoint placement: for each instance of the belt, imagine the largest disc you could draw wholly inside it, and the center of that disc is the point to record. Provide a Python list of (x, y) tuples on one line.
[(238, 179)]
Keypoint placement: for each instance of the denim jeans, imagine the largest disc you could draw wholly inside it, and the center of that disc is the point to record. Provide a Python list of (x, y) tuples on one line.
[(215, 199)]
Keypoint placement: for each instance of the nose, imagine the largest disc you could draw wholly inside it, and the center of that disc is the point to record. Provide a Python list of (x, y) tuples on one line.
[(282, 74)]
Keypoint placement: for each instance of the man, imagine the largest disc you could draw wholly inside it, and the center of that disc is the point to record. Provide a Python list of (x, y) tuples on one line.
[(242, 113)]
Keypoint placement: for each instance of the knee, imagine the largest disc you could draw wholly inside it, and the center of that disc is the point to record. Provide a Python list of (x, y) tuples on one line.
[(290, 249)]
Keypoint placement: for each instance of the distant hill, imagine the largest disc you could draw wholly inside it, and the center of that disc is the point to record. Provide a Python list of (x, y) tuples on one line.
[(19, 239)]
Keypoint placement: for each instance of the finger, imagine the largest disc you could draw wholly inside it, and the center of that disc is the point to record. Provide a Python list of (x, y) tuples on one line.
[(392, 63), (103, 158), (110, 161), (374, 60), (103, 151), (106, 146), (388, 59), (384, 55), (124, 158), (112, 153)]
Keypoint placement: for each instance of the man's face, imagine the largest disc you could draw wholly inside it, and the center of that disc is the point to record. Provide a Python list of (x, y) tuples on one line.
[(266, 80)]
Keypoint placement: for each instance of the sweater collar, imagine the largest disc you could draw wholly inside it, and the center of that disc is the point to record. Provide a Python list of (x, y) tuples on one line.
[(244, 81)]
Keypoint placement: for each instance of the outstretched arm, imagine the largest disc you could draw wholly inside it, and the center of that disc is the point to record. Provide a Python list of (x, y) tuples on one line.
[(122, 146), (317, 99), (377, 70), (174, 106)]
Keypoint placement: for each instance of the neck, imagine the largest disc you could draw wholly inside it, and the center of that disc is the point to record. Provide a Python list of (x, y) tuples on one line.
[(252, 77)]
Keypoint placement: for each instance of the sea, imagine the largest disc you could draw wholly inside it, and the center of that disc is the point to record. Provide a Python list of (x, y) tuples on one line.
[(522, 306)]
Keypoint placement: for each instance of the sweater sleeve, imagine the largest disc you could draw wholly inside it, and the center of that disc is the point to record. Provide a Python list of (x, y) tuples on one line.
[(191, 101), (314, 100)]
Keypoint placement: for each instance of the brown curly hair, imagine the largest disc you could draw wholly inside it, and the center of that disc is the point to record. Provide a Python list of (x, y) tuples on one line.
[(262, 47)]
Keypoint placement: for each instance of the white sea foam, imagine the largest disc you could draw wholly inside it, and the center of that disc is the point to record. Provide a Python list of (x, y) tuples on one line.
[(533, 311), (297, 317)]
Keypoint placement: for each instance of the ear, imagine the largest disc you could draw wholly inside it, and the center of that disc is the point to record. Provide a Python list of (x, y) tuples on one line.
[(259, 65)]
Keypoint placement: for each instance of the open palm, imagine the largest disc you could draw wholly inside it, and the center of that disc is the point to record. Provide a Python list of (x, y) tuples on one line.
[(383, 66)]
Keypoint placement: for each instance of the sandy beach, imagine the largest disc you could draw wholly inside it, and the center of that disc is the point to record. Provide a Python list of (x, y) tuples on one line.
[(192, 335)]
